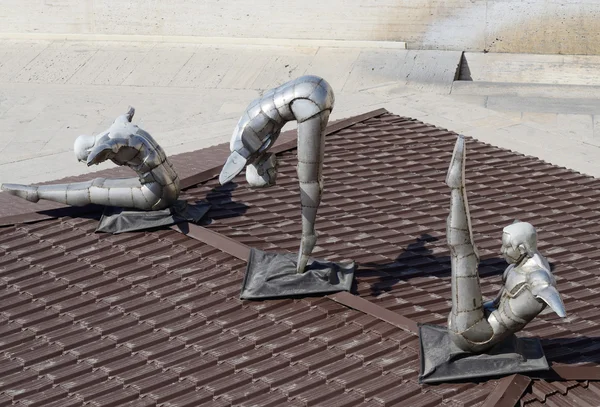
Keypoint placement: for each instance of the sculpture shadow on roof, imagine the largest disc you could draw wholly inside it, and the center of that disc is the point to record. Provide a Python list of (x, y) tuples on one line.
[(576, 349), (222, 205), (418, 259)]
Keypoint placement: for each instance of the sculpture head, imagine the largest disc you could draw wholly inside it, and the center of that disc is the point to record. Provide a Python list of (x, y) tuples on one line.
[(519, 240), (263, 172), (122, 126), (83, 146), (243, 152)]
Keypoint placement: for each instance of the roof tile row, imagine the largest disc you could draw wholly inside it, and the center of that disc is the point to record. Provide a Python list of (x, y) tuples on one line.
[(154, 319)]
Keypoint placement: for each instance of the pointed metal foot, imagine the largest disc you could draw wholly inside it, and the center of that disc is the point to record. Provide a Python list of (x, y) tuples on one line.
[(307, 244), (456, 171), (22, 191)]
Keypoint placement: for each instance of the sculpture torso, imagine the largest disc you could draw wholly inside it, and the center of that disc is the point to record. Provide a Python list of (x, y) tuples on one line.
[(518, 305), (261, 123), (136, 149), (141, 153)]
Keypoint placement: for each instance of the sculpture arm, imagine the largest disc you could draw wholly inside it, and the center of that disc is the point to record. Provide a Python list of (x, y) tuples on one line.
[(493, 304), (543, 289), (262, 173)]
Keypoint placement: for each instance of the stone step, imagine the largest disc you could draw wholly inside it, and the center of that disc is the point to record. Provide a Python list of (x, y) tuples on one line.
[(531, 68), (539, 98), (462, 87)]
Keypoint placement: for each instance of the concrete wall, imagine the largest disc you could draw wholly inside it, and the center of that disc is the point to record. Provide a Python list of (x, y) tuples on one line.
[(533, 26)]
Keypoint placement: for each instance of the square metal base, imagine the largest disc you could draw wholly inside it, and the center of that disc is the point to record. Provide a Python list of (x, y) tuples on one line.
[(443, 361), (273, 275), (119, 220)]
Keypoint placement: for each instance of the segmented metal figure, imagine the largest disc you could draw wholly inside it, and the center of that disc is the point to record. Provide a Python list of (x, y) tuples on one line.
[(528, 282), (308, 100), (125, 144)]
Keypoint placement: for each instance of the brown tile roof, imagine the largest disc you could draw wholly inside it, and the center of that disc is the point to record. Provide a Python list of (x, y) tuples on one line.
[(154, 319)]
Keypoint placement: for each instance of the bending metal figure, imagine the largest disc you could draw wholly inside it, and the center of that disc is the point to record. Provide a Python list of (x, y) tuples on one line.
[(528, 283), (124, 144), (308, 100)]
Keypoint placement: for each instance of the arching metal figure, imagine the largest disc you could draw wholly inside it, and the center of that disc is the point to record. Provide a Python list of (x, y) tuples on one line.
[(308, 100), (528, 283), (125, 144)]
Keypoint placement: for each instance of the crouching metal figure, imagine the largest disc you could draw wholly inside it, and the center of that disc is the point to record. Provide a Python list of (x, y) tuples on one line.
[(528, 283), (308, 100), (125, 144)]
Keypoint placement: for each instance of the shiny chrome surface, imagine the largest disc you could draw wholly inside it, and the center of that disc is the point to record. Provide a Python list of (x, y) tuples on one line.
[(308, 100), (124, 143), (529, 285)]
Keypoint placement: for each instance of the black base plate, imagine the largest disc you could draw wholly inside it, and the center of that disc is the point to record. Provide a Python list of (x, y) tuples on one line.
[(443, 361), (273, 275), (119, 220)]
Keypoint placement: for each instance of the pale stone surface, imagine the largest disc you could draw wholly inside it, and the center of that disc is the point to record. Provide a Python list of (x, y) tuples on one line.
[(543, 26), (432, 71), (56, 63), (531, 68), (543, 90), (334, 64), (594, 137), (190, 96), (544, 105), (533, 26), (418, 21)]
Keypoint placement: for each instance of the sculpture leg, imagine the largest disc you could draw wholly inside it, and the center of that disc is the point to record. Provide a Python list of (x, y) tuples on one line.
[(467, 325), (311, 151), (128, 193), (22, 191)]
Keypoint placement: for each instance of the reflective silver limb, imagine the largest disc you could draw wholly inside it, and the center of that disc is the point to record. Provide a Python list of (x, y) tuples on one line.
[(528, 282), (308, 100), (124, 143), (263, 172)]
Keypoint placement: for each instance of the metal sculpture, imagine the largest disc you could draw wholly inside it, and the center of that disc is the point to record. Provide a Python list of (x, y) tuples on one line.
[(528, 288), (157, 185), (308, 100)]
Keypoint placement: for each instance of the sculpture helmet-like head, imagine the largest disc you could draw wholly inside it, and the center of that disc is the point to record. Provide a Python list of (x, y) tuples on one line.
[(518, 240), (83, 146), (245, 151), (263, 172)]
